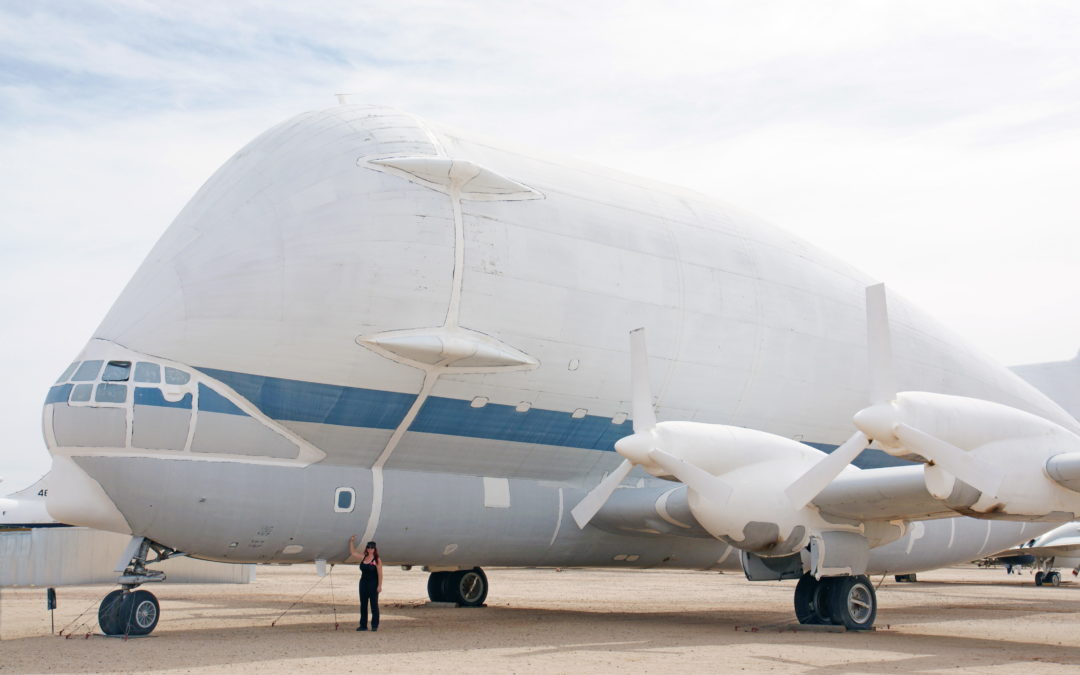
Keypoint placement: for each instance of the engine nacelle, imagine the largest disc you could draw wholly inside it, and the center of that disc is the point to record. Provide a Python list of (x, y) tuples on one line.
[(984, 459), (738, 480)]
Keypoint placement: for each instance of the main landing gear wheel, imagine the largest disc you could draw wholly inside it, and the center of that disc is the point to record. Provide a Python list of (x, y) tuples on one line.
[(853, 602), (842, 601), (468, 588), (812, 600), (435, 583), (1052, 579), (465, 588), (128, 613), (1039, 576)]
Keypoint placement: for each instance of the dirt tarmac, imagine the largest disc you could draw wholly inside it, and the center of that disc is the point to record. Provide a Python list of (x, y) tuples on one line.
[(962, 619)]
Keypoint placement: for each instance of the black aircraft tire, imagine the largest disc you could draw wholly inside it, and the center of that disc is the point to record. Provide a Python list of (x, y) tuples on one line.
[(1039, 578), (468, 588), (1054, 579), (812, 600), (139, 613), (436, 583), (109, 613), (853, 602)]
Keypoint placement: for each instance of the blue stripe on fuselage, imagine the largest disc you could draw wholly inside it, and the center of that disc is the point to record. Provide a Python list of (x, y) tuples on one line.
[(297, 401), (504, 423), (290, 400)]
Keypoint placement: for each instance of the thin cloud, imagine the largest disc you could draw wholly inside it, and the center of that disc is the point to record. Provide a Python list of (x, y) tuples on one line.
[(931, 144)]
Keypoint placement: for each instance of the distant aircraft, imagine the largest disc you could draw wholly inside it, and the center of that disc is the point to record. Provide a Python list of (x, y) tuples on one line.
[(1058, 548), (368, 324), (26, 508)]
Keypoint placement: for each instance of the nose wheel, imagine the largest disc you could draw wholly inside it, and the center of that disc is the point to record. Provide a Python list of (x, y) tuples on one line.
[(840, 601), (128, 613)]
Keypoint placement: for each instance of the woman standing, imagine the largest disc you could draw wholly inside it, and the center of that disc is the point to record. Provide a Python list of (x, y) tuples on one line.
[(370, 581)]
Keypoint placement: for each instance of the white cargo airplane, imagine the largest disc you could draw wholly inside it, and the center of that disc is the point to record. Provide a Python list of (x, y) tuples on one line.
[(368, 324)]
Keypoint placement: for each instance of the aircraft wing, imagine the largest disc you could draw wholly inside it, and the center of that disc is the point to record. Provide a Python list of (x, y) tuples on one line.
[(893, 493), (1063, 546)]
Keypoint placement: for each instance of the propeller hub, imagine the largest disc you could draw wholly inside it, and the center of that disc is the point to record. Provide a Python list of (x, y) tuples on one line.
[(879, 422), (636, 447)]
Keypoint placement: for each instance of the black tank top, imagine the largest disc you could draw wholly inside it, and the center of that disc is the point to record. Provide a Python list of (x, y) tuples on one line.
[(369, 574)]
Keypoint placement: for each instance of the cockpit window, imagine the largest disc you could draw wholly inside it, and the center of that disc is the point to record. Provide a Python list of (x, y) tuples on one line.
[(81, 392), (87, 371), (68, 372), (111, 393), (147, 372), (117, 371), (174, 376)]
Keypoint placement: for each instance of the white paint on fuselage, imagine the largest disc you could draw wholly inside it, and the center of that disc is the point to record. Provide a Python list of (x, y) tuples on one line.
[(748, 326), (772, 331)]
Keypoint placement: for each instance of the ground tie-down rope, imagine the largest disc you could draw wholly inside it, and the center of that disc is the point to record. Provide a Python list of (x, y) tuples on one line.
[(333, 601), (80, 625)]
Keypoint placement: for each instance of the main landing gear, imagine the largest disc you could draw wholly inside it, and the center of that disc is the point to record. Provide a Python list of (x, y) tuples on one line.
[(130, 612), (841, 601), (465, 588)]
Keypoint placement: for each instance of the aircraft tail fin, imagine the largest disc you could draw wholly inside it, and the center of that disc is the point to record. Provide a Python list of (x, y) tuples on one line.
[(1059, 380)]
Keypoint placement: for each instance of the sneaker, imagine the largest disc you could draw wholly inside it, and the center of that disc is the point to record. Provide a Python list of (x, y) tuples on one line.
[(361, 628), (374, 628)]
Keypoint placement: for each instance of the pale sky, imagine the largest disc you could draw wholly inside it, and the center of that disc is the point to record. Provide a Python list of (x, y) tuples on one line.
[(935, 145)]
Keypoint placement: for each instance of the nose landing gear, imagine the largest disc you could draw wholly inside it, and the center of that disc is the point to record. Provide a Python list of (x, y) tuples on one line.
[(130, 612)]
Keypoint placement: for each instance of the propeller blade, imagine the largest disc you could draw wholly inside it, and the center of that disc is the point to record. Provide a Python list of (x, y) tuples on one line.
[(879, 346), (644, 421), (642, 402), (818, 477), (701, 481), (952, 459), (591, 504)]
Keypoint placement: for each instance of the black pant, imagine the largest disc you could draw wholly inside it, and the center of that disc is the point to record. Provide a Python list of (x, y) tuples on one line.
[(369, 595)]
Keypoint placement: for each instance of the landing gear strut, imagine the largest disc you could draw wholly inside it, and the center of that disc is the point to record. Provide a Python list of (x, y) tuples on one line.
[(841, 601), (466, 588), (134, 612)]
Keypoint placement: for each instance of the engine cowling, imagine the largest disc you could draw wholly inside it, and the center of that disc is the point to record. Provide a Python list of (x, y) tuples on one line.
[(984, 459)]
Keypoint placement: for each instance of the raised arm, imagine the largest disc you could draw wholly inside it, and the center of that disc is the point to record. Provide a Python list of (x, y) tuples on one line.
[(355, 554)]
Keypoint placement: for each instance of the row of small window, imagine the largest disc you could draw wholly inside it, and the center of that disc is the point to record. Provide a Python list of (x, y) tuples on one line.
[(120, 371), (106, 393)]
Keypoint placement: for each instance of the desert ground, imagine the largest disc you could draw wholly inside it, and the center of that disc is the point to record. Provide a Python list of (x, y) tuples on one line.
[(961, 619)]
